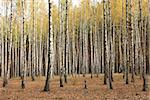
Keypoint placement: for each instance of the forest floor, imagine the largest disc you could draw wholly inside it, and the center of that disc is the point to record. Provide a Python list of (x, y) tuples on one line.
[(74, 89)]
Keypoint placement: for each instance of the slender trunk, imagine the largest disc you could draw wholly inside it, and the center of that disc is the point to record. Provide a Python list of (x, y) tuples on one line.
[(30, 55), (8, 61), (128, 33), (91, 46), (23, 65), (109, 46), (5, 81), (41, 50), (10, 45), (120, 47), (84, 42), (144, 56), (137, 39), (80, 43), (96, 49), (36, 49), (123, 38), (47, 82), (66, 42), (73, 50), (113, 49), (61, 45), (105, 39), (33, 47), (2, 51), (129, 38), (132, 48), (140, 37)]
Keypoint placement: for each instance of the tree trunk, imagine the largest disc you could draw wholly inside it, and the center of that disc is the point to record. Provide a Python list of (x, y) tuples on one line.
[(136, 39), (47, 82), (33, 47), (2, 50), (91, 46), (41, 50), (140, 37), (128, 33), (66, 42), (144, 56), (105, 39), (8, 61), (61, 45), (132, 47), (109, 60), (23, 49)]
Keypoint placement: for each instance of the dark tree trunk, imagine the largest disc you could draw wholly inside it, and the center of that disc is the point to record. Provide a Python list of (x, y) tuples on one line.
[(104, 32), (47, 83)]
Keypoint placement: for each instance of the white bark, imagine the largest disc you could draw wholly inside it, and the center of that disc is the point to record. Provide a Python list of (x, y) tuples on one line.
[(10, 45), (136, 38), (41, 49), (91, 44), (34, 45), (29, 54), (2, 49)]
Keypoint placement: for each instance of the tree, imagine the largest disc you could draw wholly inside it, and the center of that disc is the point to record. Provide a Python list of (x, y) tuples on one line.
[(92, 43), (109, 46), (66, 42), (127, 37), (30, 49), (120, 39), (2, 49), (23, 50), (104, 38), (143, 46), (123, 38), (96, 50), (60, 44), (132, 45), (34, 45), (144, 56), (136, 38), (47, 82), (7, 71), (140, 23), (41, 50)]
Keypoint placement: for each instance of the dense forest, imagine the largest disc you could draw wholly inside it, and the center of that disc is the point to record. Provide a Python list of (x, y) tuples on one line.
[(45, 38)]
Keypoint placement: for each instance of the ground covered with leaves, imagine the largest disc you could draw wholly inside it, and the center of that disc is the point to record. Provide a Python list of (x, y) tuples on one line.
[(74, 89)]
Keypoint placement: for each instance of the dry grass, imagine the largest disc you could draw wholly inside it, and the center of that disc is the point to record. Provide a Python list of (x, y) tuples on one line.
[(74, 89)]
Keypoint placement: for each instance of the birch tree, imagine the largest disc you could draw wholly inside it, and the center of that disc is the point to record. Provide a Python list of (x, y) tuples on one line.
[(136, 38), (47, 82), (66, 41), (105, 39), (7, 70), (23, 49), (2, 49), (109, 46), (33, 44), (127, 37), (60, 45)]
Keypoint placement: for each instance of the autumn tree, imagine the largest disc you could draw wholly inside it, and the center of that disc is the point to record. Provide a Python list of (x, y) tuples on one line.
[(7, 71), (47, 82)]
